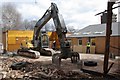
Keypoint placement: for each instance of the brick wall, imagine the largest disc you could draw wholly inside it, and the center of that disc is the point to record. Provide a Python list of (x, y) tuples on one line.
[(74, 41), (100, 44), (84, 41), (115, 44)]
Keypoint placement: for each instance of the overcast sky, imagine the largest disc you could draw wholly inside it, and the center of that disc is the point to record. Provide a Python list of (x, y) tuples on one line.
[(76, 13)]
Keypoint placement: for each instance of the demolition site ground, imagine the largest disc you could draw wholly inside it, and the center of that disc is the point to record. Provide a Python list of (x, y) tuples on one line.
[(43, 69)]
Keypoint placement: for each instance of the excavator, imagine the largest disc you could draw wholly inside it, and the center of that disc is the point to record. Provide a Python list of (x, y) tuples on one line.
[(27, 49), (61, 30)]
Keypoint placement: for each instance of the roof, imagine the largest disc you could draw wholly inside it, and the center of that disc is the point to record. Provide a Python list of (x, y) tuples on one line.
[(97, 30)]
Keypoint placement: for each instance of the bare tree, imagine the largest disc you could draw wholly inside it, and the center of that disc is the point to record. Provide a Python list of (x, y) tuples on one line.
[(32, 24), (10, 16), (71, 29), (49, 27), (28, 25)]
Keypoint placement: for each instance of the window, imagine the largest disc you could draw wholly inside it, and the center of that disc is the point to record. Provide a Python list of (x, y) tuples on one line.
[(92, 41), (69, 40), (80, 41)]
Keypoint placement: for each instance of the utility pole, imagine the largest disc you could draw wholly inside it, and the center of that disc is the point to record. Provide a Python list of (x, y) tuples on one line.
[(108, 33)]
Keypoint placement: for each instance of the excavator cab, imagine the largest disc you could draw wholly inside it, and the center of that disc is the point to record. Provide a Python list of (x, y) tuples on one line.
[(44, 40)]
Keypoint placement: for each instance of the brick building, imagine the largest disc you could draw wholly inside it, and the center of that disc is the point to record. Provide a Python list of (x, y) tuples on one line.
[(96, 35)]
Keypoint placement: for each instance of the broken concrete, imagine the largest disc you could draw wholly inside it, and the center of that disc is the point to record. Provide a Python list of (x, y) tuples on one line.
[(43, 68)]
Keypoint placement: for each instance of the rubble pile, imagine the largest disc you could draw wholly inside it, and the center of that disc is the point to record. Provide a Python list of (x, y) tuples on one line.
[(43, 69), (7, 71), (38, 70), (50, 71)]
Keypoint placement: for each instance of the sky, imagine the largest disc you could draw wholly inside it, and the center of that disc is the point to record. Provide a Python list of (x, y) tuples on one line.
[(76, 13)]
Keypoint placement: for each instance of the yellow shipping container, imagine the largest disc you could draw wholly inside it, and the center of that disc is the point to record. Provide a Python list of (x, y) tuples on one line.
[(15, 37)]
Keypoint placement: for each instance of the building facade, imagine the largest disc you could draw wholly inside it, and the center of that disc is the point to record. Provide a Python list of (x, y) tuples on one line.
[(96, 35)]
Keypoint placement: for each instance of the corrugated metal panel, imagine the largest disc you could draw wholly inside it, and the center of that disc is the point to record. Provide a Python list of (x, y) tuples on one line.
[(13, 47), (11, 40), (15, 37), (15, 33)]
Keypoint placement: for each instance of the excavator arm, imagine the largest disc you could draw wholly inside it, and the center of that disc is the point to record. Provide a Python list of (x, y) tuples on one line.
[(45, 18), (51, 12), (61, 30)]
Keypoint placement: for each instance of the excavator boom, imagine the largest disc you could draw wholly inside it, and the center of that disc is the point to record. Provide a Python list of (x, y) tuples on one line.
[(61, 30)]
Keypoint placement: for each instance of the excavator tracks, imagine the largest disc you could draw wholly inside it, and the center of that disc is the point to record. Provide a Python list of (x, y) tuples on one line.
[(34, 53), (28, 53)]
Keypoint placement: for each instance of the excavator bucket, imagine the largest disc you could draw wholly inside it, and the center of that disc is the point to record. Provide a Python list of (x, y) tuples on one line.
[(56, 59), (75, 57)]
